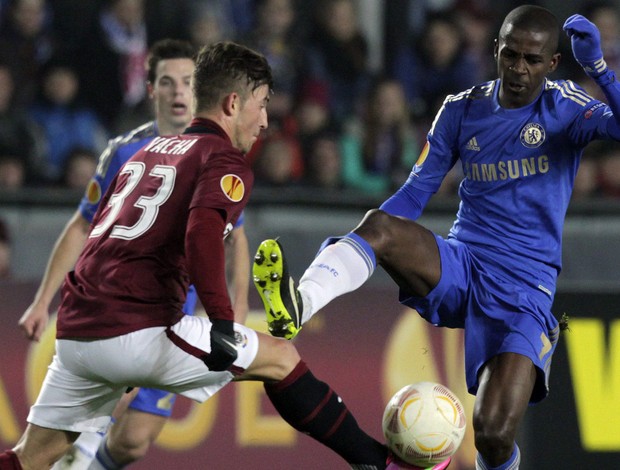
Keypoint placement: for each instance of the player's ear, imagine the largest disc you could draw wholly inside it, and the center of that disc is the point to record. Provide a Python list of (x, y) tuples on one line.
[(555, 61), (231, 104), (149, 89), (495, 49)]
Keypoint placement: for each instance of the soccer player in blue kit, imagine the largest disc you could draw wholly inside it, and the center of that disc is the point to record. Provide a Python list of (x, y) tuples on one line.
[(170, 66), (519, 139)]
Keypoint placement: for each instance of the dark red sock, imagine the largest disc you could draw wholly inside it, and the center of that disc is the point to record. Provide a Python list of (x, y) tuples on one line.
[(312, 407), (9, 461)]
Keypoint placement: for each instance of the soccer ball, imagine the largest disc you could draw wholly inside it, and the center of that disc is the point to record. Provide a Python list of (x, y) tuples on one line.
[(424, 423)]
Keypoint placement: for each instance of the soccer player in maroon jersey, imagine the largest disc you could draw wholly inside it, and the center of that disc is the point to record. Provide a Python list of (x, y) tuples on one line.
[(160, 227)]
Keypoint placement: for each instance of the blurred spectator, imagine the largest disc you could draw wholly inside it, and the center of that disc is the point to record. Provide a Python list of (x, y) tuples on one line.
[(274, 36), (278, 162), (242, 14), (450, 184), (3, 9), (12, 171), (323, 167), (379, 150), (405, 19), (586, 181), (477, 28), (5, 251), (207, 24), (71, 20), (167, 19), (311, 114), (337, 55), (18, 134), (112, 62), (79, 168), (233, 19), (433, 65), (65, 122), (26, 43)]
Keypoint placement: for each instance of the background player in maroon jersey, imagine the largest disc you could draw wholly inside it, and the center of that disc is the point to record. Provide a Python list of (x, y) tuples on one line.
[(161, 226)]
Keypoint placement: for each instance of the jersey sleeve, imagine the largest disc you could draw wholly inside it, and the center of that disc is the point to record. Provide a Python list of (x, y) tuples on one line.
[(436, 159), (439, 154), (204, 247), (110, 162), (588, 117), (224, 184), (240, 220)]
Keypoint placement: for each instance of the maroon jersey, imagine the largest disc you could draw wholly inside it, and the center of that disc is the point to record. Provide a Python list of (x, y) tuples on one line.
[(132, 273)]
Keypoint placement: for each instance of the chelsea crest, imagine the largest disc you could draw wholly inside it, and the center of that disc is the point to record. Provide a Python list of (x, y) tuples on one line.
[(532, 135)]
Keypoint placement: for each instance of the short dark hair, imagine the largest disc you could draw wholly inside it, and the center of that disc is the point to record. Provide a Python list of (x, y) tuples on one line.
[(167, 49), (226, 67), (534, 18)]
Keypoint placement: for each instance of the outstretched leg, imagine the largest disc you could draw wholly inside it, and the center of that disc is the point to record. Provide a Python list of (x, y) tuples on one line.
[(38, 447), (407, 251), (310, 405)]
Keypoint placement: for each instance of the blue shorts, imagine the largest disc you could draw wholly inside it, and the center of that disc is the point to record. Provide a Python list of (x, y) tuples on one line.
[(153, 401), (499, 313)]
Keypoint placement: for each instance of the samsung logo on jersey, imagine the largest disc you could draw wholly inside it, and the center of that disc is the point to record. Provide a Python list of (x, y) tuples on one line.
[(170, 145), (510, 169)]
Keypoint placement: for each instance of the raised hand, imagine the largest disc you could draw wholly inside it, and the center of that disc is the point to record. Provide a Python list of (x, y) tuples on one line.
[(586, 44)]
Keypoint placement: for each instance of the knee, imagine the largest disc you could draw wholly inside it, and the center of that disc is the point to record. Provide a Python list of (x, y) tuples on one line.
[(278, 360), (494, 437), (376, 229), (127, 448), (38, 459), (41, 448), (287, 357)]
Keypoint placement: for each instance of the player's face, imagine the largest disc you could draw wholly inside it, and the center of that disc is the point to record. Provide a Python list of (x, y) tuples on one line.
[(251, 119), (524, 59), (172, 95)]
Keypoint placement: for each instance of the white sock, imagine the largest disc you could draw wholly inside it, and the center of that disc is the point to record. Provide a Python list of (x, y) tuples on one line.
[(338, 269), (89, 442)]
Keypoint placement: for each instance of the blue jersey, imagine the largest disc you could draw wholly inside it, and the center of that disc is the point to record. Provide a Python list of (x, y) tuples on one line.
[(118, 151), (519, 166)]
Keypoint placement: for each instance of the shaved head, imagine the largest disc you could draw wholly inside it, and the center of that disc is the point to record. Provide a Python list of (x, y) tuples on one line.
[(532, 18)]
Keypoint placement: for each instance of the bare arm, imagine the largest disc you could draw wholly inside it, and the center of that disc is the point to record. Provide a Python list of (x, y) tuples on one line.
[(238, 272), (62, 259)]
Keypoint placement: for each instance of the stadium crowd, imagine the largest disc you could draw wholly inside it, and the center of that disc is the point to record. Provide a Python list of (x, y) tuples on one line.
[(357, 82)]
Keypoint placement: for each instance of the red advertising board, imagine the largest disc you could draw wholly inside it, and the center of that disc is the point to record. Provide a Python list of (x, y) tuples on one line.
[(366, 346)]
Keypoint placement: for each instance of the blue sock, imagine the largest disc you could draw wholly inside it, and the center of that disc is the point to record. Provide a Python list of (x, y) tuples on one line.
[(363, 248), (103, 459), (356, 242), (512, 463)]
